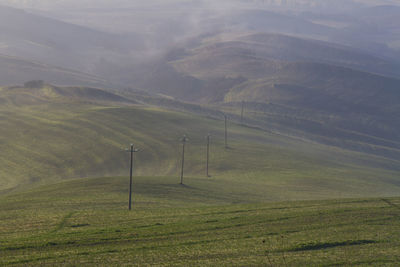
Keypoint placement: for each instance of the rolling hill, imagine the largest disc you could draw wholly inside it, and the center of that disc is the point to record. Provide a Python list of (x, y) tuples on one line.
[(298, 93), (374, 28), (51, 133), (28, 39), (309, 172), (15, 70)]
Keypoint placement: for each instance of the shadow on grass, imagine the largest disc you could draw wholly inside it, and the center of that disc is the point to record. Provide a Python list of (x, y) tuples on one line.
[(318, 246), (184, 186), (79, 225)]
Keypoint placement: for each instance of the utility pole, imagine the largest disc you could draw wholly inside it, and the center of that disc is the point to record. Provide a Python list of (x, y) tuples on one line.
[(226, 132), (184, 139), (208, 153), (132, 150), (241, 113)]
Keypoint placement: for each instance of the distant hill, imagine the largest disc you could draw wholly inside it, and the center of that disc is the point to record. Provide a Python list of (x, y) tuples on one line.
[(381, 15), (234, 49), (267, 21), (28, 95), (121, 58), (17, 71), (315, 84), (374, 29), (298, 87), (35, 38)]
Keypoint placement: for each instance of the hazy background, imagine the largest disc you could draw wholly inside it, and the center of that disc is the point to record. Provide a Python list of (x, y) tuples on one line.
[(120, 34), (320, 71)]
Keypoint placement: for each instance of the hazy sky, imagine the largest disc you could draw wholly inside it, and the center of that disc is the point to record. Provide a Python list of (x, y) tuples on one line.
[(51, 4)]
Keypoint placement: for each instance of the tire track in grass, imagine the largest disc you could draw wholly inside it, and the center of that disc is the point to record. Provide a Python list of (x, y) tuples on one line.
[(63, 222), (390, 203)]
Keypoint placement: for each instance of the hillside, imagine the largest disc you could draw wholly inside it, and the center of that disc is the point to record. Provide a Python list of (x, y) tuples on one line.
[(267, 133), (294, 49), (54, 133), (301, 93), (15, 70), (34, 45), (114, 43), (36, 92), (86, 222)]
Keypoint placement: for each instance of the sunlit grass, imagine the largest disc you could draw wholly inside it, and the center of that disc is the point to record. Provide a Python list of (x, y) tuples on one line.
[(86, 222), (49, 218), (47, 142)]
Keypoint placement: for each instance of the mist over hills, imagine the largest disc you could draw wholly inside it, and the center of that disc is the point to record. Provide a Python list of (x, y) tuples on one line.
[(316, 91), (15, 71), (262, 129), (51, 42), (316, 4), (313, 70)]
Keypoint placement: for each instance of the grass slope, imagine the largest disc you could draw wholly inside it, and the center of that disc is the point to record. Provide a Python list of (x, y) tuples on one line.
[(48, 135), (86, 222), (53, 133)]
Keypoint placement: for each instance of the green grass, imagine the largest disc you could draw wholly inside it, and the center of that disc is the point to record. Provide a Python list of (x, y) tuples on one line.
[(51, 216), (86, 222), (48, 140)]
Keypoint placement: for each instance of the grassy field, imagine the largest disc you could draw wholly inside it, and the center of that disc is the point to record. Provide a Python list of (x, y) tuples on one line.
[(86, 222), (50, 215), (48, 135)]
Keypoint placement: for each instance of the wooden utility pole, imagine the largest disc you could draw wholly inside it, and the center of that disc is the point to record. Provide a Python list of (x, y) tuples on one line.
[(184, 139), (226, 132), (241, 113), (208, 153), (132, 150)]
